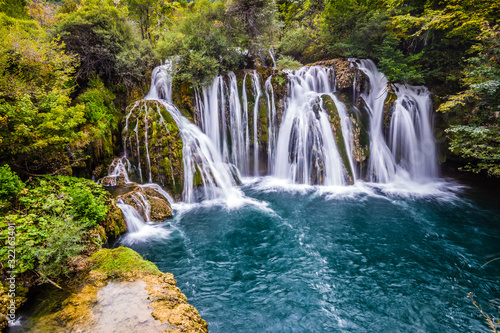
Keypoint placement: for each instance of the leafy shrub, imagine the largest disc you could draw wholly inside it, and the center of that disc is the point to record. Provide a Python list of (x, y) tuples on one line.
[(53, 222), (10, 184), (205, 42), (480, 145), (105, 44), (287, 62)]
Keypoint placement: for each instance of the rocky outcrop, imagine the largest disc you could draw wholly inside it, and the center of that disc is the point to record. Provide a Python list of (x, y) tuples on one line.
[(347, 76), (153, 146), (149, 202), (109, 284)]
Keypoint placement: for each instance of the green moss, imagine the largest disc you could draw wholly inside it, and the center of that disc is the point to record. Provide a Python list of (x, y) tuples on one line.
[(121, 262), (332, 111)]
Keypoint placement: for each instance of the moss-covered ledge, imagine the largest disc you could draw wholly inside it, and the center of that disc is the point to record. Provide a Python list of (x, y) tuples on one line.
[(48, 223), (120, 269)]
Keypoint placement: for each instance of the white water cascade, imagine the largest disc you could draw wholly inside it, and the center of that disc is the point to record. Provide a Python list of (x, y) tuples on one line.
[(135, 222), (409, 150), (203, 164), (256, 93), (225, 118), (272, 122), (306, 151)]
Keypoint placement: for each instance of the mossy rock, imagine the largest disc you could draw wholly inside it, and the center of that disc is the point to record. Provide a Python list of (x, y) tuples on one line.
[(334, 117), (159, 207), (121, 262), (118, 270), (115, 224), (164, 146)]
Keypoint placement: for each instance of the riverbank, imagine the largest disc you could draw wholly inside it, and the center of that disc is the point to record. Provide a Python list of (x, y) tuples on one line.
[(113, 290)]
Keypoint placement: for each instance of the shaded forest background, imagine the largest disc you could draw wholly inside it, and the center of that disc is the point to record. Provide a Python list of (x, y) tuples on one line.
[(68, 69)]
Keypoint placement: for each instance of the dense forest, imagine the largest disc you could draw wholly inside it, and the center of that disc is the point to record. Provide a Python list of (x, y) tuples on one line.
[(70, 68)]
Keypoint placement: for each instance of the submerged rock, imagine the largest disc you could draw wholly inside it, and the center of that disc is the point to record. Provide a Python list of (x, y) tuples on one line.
[(119, 292), (149, 202)]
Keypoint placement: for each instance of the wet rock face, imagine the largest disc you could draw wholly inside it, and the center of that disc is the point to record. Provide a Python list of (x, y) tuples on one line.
[(348, 77), (118, 291), (149, 202), (153, 146)]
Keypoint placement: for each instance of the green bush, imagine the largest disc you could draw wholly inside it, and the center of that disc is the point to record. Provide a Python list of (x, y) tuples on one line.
[(10, 184), (287, 62), (53, 222)]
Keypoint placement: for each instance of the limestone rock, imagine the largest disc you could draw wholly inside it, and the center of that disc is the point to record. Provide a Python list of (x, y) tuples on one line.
[(149, 202)]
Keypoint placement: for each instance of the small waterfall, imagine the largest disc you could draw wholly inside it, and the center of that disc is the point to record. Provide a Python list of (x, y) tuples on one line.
[(306, 150), (237, 127), (161, 88), (246, 171), (134, 220), (272, 123), (381, 166), (256, 93), (410, 133), (203, 164), (410, 148), (117, 172), (136, 130), (272, 57)]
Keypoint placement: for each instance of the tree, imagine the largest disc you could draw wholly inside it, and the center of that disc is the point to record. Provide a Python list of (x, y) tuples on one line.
[(257, 18), (105, 44)]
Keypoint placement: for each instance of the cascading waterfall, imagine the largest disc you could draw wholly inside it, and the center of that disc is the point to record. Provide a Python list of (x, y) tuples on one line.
[(306, 150), (246, 170), (237, 127), (272, 126), (410, 133), (201, 158), (381, 166), (256, 93), (135, 222), (411, 148), (225, 119), (313, 144), (161, 88)]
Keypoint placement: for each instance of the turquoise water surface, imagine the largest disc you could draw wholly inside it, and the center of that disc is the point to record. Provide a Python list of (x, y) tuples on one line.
[(367, 258)]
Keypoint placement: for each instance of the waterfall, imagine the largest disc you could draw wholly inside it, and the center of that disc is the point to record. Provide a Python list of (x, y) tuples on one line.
[(117, 172), (246, 171), (272, 126), (133, 218), (237, 127), (161, 87), (224, 118), (306, 151), (410, 148), (381, 166), (256, 93), (410, 134), (203, 164), (272, 57)]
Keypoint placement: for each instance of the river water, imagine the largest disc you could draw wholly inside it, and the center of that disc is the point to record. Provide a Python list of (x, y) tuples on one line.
[(362, 258)]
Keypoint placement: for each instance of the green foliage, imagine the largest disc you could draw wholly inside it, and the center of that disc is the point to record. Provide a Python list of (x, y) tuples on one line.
[(301, 43), (53, 222), (120, 262), (204, 41), (395, 65), (14, 8), (287, 62), (257, 19), (152, 16), (10, 185), (105, 44), (480, 145)]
